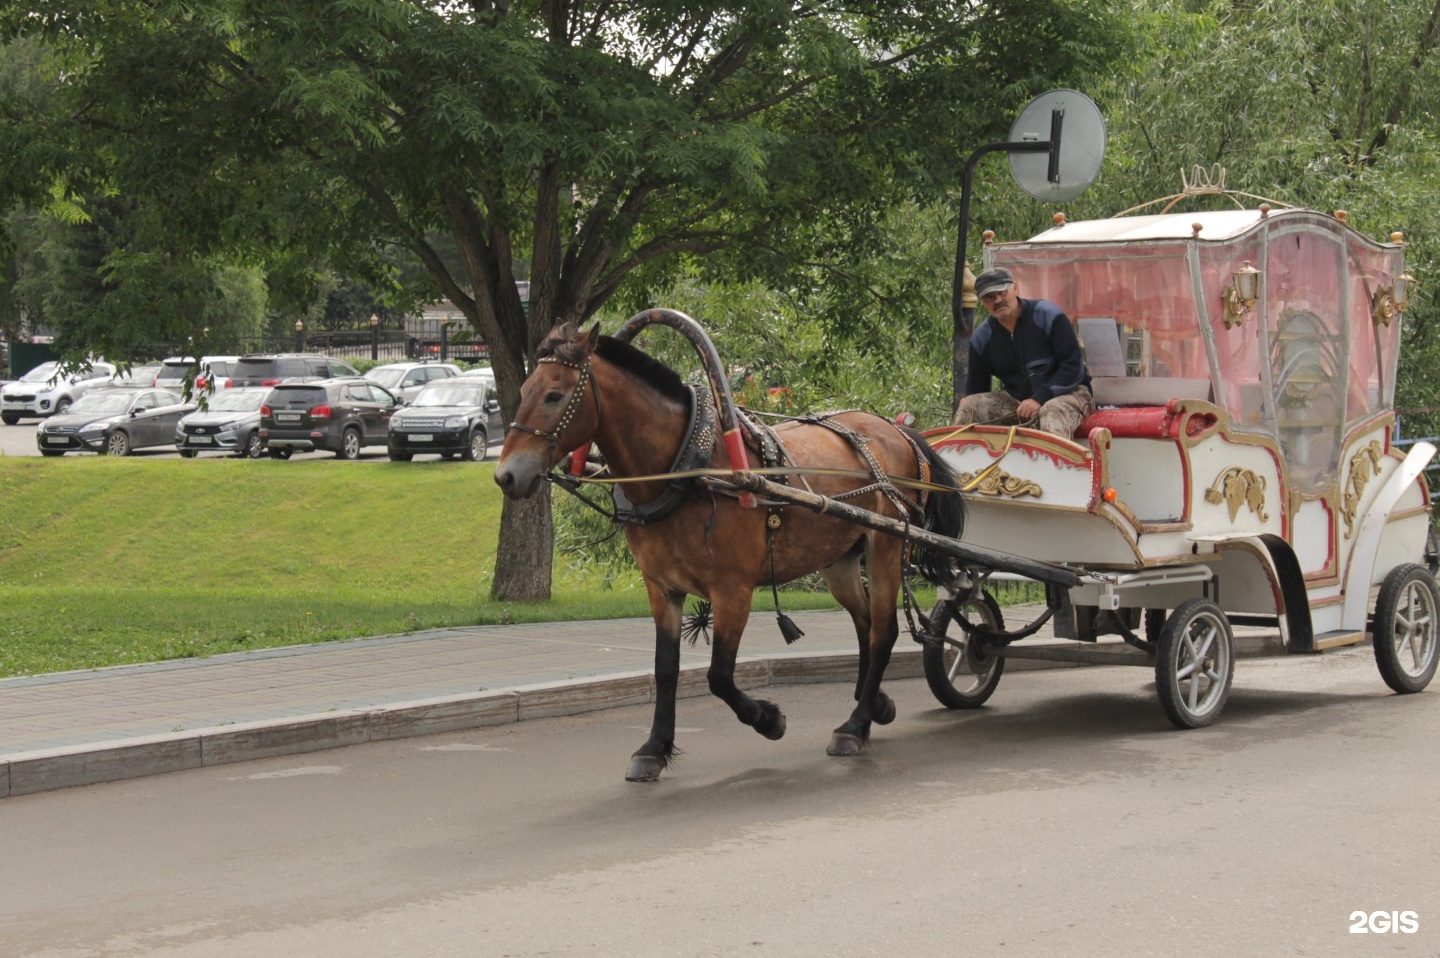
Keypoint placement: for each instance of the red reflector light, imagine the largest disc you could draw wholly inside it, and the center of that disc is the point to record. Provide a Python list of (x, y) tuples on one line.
[(229, 384), (200, 382), (264, 410), (270, 382), (320, 412)]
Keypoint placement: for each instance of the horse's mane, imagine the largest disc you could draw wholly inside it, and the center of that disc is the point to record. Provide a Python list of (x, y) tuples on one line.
[(562, 344)]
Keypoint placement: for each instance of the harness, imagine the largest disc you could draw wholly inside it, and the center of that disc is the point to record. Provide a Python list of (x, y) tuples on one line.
[(697, 450), (695, 453), (552, 437)]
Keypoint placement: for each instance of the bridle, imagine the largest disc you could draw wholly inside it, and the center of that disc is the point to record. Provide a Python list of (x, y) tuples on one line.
[(552, 437)]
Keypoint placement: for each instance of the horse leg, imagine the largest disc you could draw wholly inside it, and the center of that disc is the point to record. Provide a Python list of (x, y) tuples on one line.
[(732, 611), (871, 704), (845, 583), (655, 755)]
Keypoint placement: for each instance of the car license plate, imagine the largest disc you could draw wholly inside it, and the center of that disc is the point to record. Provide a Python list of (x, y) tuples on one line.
[(57, 440), (203, 440), (419, 438), (287, 417)]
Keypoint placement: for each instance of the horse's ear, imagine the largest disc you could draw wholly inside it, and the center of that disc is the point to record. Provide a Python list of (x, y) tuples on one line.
[(592, 338)]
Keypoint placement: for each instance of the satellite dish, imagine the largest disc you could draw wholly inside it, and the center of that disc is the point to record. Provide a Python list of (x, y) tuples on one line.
[(1072, 118)]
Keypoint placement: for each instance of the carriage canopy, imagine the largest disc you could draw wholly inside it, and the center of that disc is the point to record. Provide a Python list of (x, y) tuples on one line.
[(1161, 297)]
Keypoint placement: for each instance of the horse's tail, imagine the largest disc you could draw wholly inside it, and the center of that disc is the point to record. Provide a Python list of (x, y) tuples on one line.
[(944, 511)]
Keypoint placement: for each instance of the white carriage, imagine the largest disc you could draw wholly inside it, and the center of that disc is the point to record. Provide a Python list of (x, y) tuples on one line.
[(1238, 469)]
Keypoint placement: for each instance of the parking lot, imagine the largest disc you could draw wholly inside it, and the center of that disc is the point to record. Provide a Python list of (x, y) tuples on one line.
[(325, 406), (19, 440)]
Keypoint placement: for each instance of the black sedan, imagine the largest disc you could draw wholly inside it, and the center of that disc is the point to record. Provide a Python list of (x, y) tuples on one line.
[(450, 416), (113, 421)]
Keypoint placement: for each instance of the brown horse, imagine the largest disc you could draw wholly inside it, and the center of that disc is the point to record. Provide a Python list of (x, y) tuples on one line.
[(587, 387)]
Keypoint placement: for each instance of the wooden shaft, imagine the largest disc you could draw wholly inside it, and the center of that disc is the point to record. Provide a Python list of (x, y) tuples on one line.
[(972, 555)]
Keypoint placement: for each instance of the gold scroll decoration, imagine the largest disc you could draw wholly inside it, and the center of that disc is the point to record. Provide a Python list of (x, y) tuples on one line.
[(1364, 466), (1383, 306), (997, 482), (1236, 487)]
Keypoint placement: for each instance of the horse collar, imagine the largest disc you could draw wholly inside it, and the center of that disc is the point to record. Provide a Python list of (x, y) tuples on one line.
[(695, 453)]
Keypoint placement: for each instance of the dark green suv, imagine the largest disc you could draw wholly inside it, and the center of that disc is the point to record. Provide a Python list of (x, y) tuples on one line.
[(342, 416)]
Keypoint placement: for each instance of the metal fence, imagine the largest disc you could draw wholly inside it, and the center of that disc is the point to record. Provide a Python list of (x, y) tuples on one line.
[(377, 344)]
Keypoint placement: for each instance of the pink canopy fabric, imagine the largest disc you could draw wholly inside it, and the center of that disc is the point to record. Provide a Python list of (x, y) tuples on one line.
[(1306, 363)]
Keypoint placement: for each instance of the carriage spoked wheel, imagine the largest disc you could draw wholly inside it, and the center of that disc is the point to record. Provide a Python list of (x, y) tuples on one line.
[(961, 672), (1195, 663), (1404, 628)]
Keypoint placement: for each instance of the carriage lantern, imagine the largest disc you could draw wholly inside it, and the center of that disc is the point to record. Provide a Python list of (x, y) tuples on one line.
[(1242, 295), (1403, 282)]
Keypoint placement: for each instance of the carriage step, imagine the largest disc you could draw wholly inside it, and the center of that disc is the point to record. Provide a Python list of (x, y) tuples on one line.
[(1332, 640)]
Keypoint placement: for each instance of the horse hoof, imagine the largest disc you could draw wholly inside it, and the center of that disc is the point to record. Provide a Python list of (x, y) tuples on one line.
[(775, 729), (886, 713), (843, 745), (644, 768)]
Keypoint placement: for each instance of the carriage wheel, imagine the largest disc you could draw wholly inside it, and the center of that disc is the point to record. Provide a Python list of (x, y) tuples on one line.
[(1194, 663), (1404, 628), (963, 676)]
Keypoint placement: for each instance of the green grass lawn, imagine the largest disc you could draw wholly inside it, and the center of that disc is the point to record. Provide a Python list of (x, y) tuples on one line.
[(111, 561)]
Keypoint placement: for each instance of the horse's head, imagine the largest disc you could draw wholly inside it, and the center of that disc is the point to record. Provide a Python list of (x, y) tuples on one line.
[(558, 411)]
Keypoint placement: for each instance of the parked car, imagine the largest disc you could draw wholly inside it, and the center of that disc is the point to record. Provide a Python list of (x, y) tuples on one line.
[(214, 372), (113, 421), (407, 379), (342, 416), (35, 396), (229, 424), (136, 376), (173, 372), (483, 373), (271, 369), (451, 417)]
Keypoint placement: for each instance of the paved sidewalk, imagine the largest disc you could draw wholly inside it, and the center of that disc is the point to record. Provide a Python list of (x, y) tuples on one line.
[(77, 728)]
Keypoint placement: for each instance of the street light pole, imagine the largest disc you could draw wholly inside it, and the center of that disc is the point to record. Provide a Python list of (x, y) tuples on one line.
[(374, 336), (299, 336), (962, 313)]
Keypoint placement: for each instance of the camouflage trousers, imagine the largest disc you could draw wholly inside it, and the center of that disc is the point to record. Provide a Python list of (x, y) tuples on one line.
[(1060, 416)]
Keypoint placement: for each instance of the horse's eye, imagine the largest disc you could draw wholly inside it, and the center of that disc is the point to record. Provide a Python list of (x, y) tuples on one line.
[(554, 396)]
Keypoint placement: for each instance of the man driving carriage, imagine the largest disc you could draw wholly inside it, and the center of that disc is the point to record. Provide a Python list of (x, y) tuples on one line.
[(1031, 347)]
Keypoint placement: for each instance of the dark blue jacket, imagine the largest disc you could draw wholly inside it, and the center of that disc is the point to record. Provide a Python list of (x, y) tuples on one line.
[(1041, 360)]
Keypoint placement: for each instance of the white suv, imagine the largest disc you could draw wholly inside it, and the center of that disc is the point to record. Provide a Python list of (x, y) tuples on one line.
[(407, 379), (215, 372), (35, 396)]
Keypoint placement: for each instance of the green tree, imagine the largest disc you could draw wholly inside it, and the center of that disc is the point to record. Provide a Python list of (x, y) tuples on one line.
[(603, 143)]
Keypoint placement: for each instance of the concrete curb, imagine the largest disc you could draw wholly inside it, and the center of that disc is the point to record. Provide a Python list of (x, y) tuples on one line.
[(25, 773)]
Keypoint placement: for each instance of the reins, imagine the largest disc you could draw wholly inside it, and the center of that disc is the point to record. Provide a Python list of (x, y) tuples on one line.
[(712, 473)]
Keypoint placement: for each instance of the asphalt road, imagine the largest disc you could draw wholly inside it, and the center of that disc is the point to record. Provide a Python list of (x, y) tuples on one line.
[(1068, 818)]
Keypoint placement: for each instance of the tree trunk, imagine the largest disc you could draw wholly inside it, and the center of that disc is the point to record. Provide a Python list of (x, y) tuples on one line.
[(524, 558)]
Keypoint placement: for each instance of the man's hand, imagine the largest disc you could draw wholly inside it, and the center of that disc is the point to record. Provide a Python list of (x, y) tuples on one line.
[(1027, 410)]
